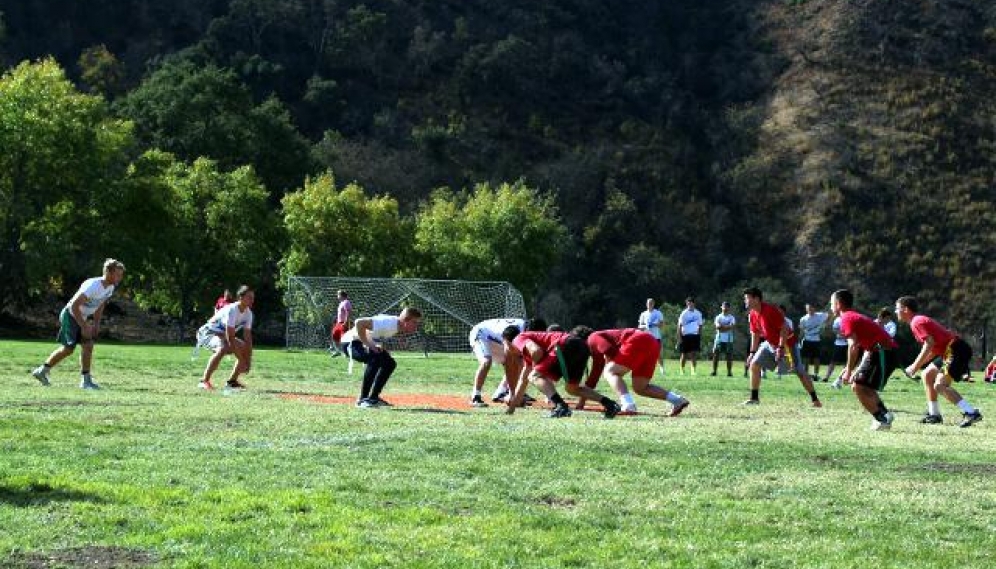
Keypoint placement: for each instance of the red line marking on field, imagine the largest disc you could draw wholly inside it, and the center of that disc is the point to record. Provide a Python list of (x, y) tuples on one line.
[(417, 400)]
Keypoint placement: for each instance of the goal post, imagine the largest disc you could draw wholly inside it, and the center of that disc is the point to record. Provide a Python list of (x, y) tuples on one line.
[(450, 308)]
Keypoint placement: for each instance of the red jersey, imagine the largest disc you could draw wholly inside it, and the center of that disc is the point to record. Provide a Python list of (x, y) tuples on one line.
[(606, 345), (924, 326), (865, 332), (767, 322), (545, 340), (222, 302)]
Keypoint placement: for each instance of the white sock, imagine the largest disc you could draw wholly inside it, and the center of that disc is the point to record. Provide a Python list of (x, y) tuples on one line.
[(933, 408), (966, 407), (628, 401), (477, 393), (673, 398)]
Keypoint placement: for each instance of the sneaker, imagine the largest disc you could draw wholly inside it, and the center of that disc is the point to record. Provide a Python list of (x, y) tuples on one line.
[(88, 383), (817, 404), (364, 404), (235, 384), (41, 374), (883, 425), (929, 419), (378, 402), (477, 401), (528, 400), (970, 419), (713, 374), (677, 409), (835, 385), (611, 410), (206, 385), (628, 409), (752, 402), (499, 397), (559, 412)]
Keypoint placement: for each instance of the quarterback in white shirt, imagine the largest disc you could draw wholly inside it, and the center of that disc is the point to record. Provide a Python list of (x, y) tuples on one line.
[(723, 343), (690, 333), (651, 320), (223, 327), (810, 328), (79, 323)]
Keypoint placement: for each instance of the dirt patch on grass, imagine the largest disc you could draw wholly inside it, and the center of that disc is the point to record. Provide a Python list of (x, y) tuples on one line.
[(955, 468), (93, 557), (423, 401), (558, 501)]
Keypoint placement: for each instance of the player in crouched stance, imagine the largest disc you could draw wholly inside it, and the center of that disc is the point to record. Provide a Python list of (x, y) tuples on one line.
[(79, 323), (361, 344), (548, 356), (770, 341), (488, 347), (223, 328), (614, 353), (871, 357), (938, 342)]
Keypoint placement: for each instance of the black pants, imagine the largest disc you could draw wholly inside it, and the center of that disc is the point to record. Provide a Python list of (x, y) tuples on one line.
[(378, 367)]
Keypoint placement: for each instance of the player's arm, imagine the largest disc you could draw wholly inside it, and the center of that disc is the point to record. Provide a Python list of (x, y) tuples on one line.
[(76, 308), (364, 326), (518, 389), (922, 358), (96, 319), (853, 354)]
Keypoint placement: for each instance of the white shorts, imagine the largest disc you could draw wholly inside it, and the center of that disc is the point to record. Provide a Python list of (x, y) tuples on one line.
[(765, 357), (486, 348)]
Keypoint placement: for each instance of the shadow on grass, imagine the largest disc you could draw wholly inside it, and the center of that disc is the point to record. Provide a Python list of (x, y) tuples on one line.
[(430, 410), (39, 493)]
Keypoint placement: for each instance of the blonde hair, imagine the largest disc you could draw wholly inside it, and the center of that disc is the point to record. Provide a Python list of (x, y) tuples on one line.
[(112, 265)]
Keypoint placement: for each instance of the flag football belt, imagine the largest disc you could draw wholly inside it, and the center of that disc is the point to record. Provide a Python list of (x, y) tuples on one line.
[(563, 364)]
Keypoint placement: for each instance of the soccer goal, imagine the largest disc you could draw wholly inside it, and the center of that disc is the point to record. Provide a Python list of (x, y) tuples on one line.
[(449, 308)]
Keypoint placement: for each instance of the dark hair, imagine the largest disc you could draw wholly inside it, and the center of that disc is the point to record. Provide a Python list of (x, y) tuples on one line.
[(575, 353), (342, 293), (690, 299), (844, 297), (243, 290), (510, 333), (537, 324), (885, 313), (753, 291), (555, 328), (582, 332), (410, 312), (909, 302)]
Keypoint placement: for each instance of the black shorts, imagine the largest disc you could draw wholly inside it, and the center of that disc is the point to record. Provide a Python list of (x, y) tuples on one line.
[(875, 368), (839, 354), (957, 358), (810, 349), (690, 343)]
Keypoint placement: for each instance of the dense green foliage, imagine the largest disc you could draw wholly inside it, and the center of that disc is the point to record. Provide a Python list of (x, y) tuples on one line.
[(689, 147), (152, 470)]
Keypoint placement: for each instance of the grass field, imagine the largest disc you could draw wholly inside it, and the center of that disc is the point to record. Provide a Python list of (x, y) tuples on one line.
[(151, 472)]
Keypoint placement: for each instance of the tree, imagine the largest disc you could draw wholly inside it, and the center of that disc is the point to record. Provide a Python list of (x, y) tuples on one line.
[(343, 231), (101, 70), (509, 232), (205, 228), (193, 111), (60, 156)]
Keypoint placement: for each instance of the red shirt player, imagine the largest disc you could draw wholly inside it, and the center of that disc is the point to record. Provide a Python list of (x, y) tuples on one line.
[(618, 352), (871, 357), (548, 356), (770, 339)]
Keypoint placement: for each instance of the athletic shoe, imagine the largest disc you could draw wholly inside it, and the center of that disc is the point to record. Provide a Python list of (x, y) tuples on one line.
[(629, 409), (528, 400), (235, 384), (835, 385), (752, 402), (929, 419), (42, 376), (364, 404), (817, 404), (560, 411), (206, 385), (499, 397), (713, 374), (611, 409), (477, 401), (970, 419), (88, 383), (378, 402), (677, 409), (883, 425)]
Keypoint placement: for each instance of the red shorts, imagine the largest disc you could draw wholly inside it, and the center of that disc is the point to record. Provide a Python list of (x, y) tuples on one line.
[(639, 354), (337, 331), (549, 367)]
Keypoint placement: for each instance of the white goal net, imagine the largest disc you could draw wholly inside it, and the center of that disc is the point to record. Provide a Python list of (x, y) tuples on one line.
[(449, 308)]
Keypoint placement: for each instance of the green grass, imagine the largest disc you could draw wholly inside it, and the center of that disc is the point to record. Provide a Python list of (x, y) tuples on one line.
[(151, 465)]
